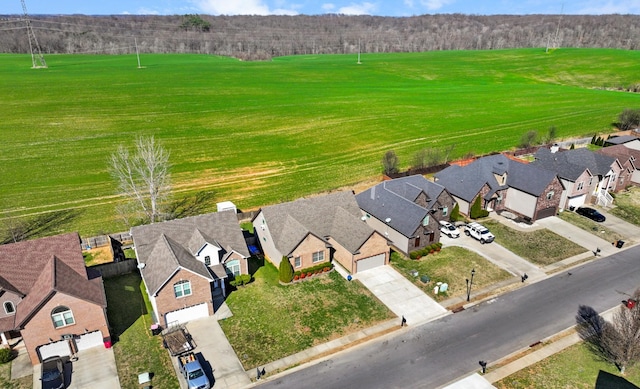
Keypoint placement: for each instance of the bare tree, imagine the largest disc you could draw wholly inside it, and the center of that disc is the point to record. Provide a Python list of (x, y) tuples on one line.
[(143, 177), (390, 162)]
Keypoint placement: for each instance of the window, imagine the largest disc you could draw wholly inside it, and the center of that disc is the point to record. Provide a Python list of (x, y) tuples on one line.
[(417, 243), (581, 185), (550, 195), (62, 317), (318, 256), (445, 211), (207, 260), (182, 288), (233, 267), (297, 261), (9, 308), (425, 221)]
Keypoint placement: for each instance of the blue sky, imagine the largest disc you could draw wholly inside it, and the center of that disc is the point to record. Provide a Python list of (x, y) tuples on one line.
[(311, 7)]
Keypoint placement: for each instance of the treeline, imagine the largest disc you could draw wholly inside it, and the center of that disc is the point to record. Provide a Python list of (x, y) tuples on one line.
[(264, 37)]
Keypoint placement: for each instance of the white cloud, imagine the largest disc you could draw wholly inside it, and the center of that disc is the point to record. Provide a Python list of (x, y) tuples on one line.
[(241, 7), (611, 7), (434, 5), (358, 9), (408, 3), (327, 7)]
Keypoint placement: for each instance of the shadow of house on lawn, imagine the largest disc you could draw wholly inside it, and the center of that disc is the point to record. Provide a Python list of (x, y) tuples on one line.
[(125, 302), (607, 380)]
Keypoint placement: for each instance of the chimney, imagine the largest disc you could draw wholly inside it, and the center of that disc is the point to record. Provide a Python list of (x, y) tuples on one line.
[(554, 148)]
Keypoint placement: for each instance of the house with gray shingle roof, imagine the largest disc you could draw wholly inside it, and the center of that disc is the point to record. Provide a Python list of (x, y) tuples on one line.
[(604, 169), (630, 141), (407, 210), (320, 229), (629, 159), (504, 184), (49, 298), (185, 263)]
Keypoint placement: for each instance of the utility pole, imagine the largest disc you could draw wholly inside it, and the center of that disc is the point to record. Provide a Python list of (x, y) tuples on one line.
[(36, 56)]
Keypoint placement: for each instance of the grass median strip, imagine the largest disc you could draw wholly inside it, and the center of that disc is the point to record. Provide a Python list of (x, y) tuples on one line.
[(271, 321), (542, 247)]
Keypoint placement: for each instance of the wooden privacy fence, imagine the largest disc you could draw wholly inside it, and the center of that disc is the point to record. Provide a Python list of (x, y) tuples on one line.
[(103, 240), (113, 269)]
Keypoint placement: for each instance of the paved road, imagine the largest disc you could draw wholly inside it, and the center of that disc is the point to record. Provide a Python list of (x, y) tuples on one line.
[(441, 351)]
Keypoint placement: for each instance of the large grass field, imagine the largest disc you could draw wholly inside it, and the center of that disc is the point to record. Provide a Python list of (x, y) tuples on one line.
[(262, 132)]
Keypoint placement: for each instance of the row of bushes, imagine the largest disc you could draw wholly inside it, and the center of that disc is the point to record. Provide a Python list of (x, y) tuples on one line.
[(432, 248), (310, 271), (240, 280)]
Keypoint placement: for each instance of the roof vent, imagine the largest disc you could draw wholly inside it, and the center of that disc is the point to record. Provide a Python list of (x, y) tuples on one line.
[(387, 220)]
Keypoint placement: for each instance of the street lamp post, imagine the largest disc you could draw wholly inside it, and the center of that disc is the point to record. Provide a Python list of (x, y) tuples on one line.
[(470, 283)]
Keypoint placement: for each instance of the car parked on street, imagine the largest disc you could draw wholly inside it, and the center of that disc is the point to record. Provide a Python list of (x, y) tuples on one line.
[(591, 214), (52, 369), (449, 229)]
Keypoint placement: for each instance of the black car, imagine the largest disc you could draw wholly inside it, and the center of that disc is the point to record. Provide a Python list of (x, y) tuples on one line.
[(52, 373), (591, 214)]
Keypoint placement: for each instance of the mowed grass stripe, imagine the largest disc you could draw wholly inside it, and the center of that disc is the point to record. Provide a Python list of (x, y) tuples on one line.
[(263, 132)]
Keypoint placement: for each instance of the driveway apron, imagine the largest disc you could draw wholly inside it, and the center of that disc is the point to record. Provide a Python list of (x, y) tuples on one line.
[(94, 369), (401, 296)]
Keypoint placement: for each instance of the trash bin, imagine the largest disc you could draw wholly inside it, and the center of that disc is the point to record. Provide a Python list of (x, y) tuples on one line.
[(425, 279), (619, 244), (107, 342)]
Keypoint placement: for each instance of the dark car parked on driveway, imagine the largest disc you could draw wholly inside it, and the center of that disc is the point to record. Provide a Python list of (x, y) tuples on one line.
[(52, 373), (591, 214)]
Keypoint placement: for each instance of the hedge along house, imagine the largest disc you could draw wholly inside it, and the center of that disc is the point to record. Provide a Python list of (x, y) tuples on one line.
[(185, 263), (504, 184), (407, 211), (50, 298), (320, 229)]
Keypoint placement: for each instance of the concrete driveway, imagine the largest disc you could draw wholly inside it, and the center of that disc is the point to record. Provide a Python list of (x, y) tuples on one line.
[(94, 369), (577, 235), (401, 296)]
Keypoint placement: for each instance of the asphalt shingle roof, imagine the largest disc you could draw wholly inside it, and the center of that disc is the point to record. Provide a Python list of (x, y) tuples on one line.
[(570, 164), (166, 247), (335, 215), (394, 200)]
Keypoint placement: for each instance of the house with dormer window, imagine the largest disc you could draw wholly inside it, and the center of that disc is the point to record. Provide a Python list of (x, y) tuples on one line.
[(186, 263)]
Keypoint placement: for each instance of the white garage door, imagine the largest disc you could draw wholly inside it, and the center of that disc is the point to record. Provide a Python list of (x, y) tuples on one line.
[(60, 348), (186, 314), (370, 263), (92, 339)]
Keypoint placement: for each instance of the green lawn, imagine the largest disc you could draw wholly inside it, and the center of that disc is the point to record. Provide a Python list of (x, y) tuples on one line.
[(627, 205), (135, 349), (7, 383), (271, 321), (542, 247), (574, 368), (597, 229), (259, 133), (452, 265)]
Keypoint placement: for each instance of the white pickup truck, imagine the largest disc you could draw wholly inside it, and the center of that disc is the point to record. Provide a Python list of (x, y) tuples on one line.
[(479, 232)]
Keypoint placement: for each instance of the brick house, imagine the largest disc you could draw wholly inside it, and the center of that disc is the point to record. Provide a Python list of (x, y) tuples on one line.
[(320, 229), (185, 263), (407, 211), (628, 158), (50, 299), (504, 184)]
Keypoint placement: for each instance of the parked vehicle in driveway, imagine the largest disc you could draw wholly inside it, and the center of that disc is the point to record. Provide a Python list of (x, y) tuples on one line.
[(52, 370), (449, 229), (591, 214), (177, 340), (479, 232), (192, 372)]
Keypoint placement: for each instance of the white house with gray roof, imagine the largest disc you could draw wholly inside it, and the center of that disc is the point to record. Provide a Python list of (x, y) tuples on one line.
[(320, 229), (504, 184), (185, 263), (407, 210)]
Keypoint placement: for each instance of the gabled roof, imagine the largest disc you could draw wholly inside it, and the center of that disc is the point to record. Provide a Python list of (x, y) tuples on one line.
[(618, 140), (335, 215), (394, 200), (575, 160), (558, 163), (169, 246), (37, 269), (623, 153), (58, 277), (466, 182)]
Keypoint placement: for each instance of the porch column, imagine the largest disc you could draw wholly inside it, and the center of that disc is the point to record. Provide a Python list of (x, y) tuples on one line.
[(224, 288), (4, 338)]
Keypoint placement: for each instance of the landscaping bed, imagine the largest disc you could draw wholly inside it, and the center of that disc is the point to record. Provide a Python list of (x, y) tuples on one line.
[(574, 367), (136, 350), (271, 321), (542, 247), (452, 265)]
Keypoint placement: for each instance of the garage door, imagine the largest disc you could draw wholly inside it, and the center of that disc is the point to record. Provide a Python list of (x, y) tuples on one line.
[(546, 212), (187, 314), (60, 348), (92, 339), (370, 263)]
